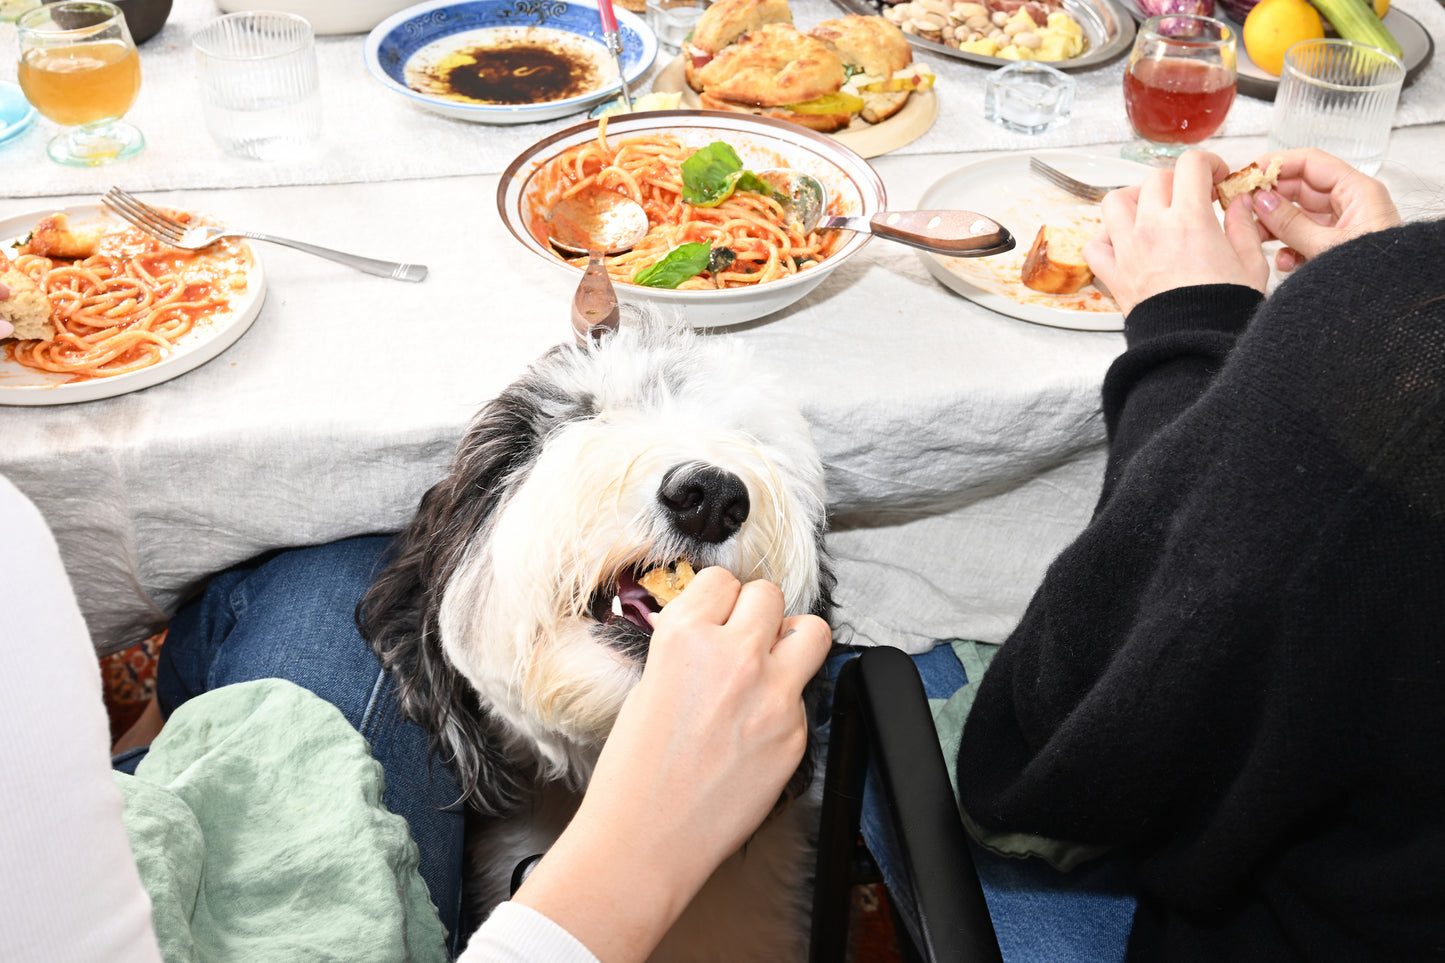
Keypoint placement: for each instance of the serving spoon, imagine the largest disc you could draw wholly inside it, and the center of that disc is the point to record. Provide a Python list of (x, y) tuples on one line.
[(595, 222), (955, 233)]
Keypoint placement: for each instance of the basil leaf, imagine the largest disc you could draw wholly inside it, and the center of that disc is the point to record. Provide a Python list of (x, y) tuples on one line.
[(712, 174), (682, 262)]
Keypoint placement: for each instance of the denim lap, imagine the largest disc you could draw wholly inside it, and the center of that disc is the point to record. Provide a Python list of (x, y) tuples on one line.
[(293, 617)]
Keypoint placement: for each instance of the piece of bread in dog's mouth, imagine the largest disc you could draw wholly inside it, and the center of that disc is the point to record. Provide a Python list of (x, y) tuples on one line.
[(1246, 180), (666, 582)]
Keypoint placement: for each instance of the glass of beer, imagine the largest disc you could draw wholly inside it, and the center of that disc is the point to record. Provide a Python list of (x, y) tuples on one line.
[(79, 67), (1178, 86)]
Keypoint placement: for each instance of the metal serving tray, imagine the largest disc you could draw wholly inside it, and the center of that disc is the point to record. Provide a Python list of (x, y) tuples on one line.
[(1108, 28)]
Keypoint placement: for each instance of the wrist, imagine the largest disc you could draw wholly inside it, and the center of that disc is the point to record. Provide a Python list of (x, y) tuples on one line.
[(616, 885)]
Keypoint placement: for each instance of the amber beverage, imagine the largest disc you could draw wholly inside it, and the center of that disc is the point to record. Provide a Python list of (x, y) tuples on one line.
[(1176, 101), (1179, 85), (78, 66), (82, 84)]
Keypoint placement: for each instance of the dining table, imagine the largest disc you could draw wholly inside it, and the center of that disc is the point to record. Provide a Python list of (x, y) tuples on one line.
[(963, 447)]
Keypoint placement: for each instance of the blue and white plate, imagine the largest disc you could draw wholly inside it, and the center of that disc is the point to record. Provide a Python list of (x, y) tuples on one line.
[(413, 53), (16, 114)]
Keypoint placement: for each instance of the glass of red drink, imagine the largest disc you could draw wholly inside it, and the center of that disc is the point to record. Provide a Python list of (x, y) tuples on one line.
[(1178, 86)]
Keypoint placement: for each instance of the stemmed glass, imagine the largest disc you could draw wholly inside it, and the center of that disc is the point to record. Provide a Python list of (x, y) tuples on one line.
[(79, 67), (1178, 86)]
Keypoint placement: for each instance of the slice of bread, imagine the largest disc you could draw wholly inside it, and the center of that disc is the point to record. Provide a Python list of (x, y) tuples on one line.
[(1246, 180), (1055, 264)]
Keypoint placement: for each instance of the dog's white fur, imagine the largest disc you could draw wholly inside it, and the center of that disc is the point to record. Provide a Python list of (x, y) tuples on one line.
[(514, 612)]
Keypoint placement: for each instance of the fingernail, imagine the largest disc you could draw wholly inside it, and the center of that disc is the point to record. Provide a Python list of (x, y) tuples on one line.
[(1265, 201)]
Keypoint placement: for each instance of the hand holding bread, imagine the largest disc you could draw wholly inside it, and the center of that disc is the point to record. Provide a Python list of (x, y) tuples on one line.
[(1316, 202), (1164, 234)]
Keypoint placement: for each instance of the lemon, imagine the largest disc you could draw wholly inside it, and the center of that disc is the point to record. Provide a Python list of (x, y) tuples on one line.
[(1382, 7), (1273, 26)]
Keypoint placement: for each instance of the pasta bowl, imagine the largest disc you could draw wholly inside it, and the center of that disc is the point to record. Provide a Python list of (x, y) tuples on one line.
[(528, 189)]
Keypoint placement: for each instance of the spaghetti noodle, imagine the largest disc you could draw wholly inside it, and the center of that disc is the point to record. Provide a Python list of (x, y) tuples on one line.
[(648, 169), (125, 307)]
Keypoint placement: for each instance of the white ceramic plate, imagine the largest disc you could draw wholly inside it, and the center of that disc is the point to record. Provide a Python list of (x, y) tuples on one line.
[(1004, 190), (1107, 27), (868, 140), (20, 385), (761, 143), (1415, 41), (418, 37)]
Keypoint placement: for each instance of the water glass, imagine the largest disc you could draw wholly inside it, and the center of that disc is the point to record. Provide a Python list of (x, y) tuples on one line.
[(1339, 96), (1179, 85), (260, 88), (673, 20)]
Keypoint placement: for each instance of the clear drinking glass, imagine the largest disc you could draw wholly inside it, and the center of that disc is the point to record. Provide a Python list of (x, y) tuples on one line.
[(260, 87), (1339, 96), (79, 67), (673, 20), (1178, 86)]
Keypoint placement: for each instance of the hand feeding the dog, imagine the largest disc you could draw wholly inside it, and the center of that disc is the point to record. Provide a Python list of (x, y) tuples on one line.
[(514, 615)]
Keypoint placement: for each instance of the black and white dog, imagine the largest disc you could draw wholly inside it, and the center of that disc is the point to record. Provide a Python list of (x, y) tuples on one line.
[(511, 613)]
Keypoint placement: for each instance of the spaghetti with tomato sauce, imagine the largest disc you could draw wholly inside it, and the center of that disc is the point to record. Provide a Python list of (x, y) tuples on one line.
[(126, 306), (766, 244)]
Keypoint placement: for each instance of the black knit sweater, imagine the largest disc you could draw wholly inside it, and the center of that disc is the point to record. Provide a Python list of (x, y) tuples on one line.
[(1236, 674)]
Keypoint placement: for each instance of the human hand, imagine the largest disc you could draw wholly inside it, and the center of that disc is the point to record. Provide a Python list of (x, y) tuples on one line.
[(696, 760), (1164, 234), (1317, 202)]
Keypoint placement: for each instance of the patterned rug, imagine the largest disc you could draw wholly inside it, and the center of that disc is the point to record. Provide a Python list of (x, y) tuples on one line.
[(128, 678)]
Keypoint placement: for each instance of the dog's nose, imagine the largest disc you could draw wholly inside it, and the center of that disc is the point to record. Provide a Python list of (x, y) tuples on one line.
[(706, 503)]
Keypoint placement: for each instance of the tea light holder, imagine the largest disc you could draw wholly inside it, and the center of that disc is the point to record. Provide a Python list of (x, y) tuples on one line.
[(1028, 97)]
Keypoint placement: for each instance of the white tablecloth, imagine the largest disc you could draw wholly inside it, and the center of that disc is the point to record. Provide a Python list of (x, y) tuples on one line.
[(371, 134)]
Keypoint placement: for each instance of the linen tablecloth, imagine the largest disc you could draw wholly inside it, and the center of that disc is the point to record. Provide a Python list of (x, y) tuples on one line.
[(371, 134)]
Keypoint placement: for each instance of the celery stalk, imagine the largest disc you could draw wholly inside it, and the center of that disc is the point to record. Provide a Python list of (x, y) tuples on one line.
[(1356, 20)]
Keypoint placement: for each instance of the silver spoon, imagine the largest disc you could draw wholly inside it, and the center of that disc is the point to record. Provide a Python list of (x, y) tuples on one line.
[(595, 222), (956, 233)]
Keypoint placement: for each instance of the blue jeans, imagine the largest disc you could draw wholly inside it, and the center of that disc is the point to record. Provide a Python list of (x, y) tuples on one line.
[(1040, 915), (293, 617)]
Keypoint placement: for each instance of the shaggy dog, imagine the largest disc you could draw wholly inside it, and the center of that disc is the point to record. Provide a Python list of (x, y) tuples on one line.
[(511, 612)]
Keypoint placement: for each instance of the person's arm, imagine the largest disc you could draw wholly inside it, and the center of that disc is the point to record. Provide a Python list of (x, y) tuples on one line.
[(1187, 287), (698, 757), (70, 890)]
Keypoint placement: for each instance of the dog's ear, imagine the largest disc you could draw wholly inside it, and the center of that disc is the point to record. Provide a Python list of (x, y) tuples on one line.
[(399, 613)]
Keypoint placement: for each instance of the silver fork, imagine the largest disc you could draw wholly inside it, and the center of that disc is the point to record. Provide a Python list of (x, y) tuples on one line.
[(163, 227), (1089, 192)]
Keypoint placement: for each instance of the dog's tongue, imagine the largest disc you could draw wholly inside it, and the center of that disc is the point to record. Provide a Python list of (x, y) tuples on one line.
[(638, 605)]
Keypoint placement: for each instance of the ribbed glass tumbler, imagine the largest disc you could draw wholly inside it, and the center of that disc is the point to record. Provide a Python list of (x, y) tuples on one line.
[(259, 84), (1339, 96)]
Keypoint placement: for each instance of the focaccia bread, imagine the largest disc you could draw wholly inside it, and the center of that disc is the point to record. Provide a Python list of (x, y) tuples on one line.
[(1246, 180), (773, 66), (666, 583), (27, 308), (1055, 264), (875, 48), (723, 24)]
